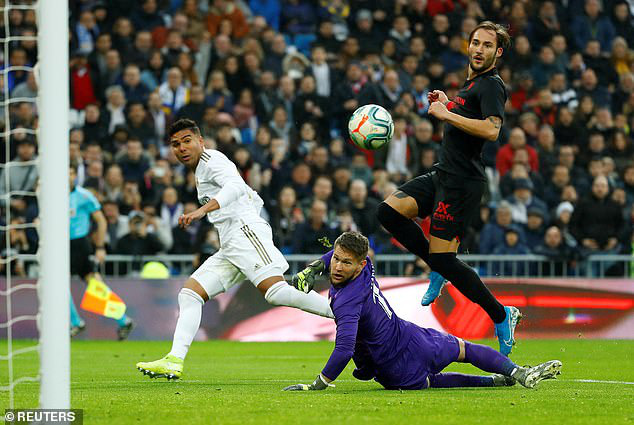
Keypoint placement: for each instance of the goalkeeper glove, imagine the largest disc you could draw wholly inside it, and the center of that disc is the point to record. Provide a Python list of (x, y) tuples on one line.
[(318, 385), (305, 280)]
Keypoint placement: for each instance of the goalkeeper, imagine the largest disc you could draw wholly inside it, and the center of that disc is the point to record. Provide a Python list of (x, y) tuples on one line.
[(394, 352)]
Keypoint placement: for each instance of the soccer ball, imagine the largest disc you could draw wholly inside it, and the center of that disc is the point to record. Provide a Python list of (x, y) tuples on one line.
[(371, 127)]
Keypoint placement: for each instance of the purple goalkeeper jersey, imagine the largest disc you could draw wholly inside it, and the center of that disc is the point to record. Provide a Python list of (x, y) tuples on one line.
[(397, 353)]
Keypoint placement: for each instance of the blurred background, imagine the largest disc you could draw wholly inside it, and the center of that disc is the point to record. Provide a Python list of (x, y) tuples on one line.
[(272, 84)]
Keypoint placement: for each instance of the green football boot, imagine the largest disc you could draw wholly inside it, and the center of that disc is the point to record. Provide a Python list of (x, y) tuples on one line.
[(169, 367)]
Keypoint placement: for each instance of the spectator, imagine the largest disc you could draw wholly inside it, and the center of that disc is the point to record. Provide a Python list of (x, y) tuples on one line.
[(492, 234), (546, 24), (22, 175), (535, 227), (559, 255), (173, 49), (82, 83), (309, 105), (141, 53), (577, 175), (171, 208), (299, 17), (545, 67), (173, 92), (523, 199), (322, 190), (504, 157), (140, 127), (562, 94), (286, 215), (135, 90), (308, 234), (138, 241), (222, 10), (95, 129), (545, 108), (117, 225), (269, 9), (147, 17), (559, 180), (592, 24), (590, 87), (603, 69), (114, 112), (195, 109), (133, 162), (158, 226), (597, 221), (622, 21), (185, 239), (155, 73), (86, 31), (363, 208), (511, 245)]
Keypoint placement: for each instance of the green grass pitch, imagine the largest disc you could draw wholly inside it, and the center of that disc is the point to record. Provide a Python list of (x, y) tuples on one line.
[(240, 383)]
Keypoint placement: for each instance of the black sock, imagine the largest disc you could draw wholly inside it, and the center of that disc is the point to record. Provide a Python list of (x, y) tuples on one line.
[(405, 230), (467, 281)]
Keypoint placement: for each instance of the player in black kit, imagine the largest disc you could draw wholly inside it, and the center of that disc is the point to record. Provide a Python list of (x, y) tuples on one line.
[(452, 192)]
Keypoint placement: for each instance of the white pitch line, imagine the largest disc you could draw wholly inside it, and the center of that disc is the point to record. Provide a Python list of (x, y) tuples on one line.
[(595, 381)]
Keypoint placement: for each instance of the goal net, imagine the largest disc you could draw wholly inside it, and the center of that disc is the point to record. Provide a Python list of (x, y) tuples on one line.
[(34, 207)]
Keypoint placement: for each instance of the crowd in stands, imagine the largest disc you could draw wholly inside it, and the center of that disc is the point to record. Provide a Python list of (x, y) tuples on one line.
[(272, 84)]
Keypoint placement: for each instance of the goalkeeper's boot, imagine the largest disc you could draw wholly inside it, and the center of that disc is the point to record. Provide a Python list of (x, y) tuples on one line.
[(76, 330), (529, 377), (124, 331), (305, 280), (170, 367), (505, 330), (436, 283), (502, 381)]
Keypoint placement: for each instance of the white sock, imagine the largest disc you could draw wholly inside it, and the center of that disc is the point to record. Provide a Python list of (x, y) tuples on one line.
[(282, 293), (190, 306)]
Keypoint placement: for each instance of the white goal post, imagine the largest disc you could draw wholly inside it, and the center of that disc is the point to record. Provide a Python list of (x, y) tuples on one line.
[(54, 281)]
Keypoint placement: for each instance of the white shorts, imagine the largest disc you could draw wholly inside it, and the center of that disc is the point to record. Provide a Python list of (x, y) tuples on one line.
[(247, 253)]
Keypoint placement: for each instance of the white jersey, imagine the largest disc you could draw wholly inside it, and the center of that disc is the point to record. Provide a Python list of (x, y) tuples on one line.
[(218, 178)]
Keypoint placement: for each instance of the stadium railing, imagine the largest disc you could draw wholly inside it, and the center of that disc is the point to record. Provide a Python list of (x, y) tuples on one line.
[(595, 266)]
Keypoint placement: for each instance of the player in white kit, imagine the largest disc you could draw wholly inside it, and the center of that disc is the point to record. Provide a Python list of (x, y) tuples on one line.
[(246, 247)]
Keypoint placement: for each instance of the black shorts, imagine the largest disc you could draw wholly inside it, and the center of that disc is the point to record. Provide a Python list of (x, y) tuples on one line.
[(80, 251), (452, 202)]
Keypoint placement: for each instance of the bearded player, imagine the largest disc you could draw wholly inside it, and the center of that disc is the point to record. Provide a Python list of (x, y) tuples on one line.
[(452, 192), (246, 247), (394, 352)]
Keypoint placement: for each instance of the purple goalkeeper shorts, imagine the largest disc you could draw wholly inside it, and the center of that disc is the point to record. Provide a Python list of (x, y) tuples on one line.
[(428, 352)]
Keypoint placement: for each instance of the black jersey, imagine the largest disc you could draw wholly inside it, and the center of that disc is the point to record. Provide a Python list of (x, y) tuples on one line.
[(479, 98)]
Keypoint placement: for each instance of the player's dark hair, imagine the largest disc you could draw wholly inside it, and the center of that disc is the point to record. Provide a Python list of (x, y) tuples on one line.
[(355, 243), (502, 36), (183, 124)]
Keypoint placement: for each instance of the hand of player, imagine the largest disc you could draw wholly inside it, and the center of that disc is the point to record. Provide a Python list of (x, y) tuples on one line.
[(438, 110), (186, 219), (318, 385), (100, 255), (437, 96), (305, 280)]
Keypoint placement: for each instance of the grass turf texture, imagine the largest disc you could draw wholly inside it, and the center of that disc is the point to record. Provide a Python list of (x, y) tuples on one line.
[(240, 383)]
